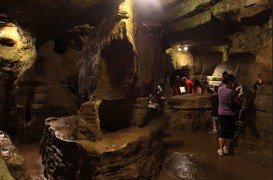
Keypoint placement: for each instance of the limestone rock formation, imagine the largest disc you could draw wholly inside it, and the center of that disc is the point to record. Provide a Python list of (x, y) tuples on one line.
[(132, 153), (14, 59), (189, 112), (50, 85), (11, 158), (111, 136)]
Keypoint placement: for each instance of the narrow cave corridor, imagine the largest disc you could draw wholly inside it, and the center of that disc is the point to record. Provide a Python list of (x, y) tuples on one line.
[(135, 89)]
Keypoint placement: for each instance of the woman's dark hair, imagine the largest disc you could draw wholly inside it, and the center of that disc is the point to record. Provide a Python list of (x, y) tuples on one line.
[(227, 78), (197, 83)]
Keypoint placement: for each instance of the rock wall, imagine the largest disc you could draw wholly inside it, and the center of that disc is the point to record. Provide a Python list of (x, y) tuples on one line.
[(50, 85), (120, 65), (15, 58), (205, 62), (4, 172), (11, 158), (189, 112), (250, 54), (256, 143), (131, 153)]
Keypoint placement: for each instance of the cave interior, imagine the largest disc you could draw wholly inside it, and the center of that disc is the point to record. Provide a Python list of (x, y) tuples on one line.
[(76, 79)]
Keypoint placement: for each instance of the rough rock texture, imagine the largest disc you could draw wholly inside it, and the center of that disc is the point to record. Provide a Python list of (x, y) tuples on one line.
[(4, 172), (189, 112), (13, 160), (259, 149), (136, 73), (57, 17), (181, 59), (140, 112), (131, 153), (50, 85), (14, 60), (88, 121), (250, 54), (205, 62), (121, 62), (242, 66), (215, 18)]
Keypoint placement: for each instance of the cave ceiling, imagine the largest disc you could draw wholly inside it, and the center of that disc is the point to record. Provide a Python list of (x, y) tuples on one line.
[(50, 19), (207, 22), (211, 22)]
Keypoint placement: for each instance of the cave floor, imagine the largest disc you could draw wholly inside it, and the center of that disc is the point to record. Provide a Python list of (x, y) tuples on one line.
[(33, 160), (192, 155)]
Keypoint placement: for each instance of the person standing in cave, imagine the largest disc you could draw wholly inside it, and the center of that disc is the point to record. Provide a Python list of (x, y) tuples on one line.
[(176, 86), (258, 83), (197, 87), (188, 85), (226, 113), (153, 107), (214, 112), (247, 112)]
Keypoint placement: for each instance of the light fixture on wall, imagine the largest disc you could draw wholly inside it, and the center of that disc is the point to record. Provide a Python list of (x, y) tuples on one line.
[(186, 48), (1, 33), (179, 49)]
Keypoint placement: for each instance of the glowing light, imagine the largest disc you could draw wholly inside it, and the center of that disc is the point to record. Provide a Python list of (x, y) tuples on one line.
[(186, 48), (1, 33), (179, 49)]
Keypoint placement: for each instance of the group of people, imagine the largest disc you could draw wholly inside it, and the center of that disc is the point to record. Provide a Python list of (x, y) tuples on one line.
[(232, 107), (187, 85)]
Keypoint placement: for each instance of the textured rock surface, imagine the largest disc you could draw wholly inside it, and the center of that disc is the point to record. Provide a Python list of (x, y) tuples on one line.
[(13, 160), (136, 73), (131, 153), (88, 122), (242, 66), (4, 172), (57, 16), (205, 62), (259, 149), (14, 60), (140, 112), (189, 112), (211, 16), (50, 85)]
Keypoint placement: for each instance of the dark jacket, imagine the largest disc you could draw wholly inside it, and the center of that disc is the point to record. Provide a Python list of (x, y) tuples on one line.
[(215, 104)]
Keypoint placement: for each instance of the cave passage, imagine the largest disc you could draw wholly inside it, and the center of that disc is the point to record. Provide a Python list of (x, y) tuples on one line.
[(89, 89)]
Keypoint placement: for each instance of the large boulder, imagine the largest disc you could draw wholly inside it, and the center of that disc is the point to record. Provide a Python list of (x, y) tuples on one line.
[(189, 112), (134, 153), (12, 159)]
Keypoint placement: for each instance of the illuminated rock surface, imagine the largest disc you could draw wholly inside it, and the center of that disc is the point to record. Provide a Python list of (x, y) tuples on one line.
[(96, 62)]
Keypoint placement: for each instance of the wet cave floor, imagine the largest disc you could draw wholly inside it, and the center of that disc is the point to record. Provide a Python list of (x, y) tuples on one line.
[(33, 160), (190, 155)]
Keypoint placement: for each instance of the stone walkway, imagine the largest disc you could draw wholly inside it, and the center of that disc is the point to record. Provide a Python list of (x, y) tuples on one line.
[(193, 156)]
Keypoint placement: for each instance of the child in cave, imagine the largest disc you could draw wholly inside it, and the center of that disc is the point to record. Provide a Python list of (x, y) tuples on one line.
[(153, 107), (214, 112)]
